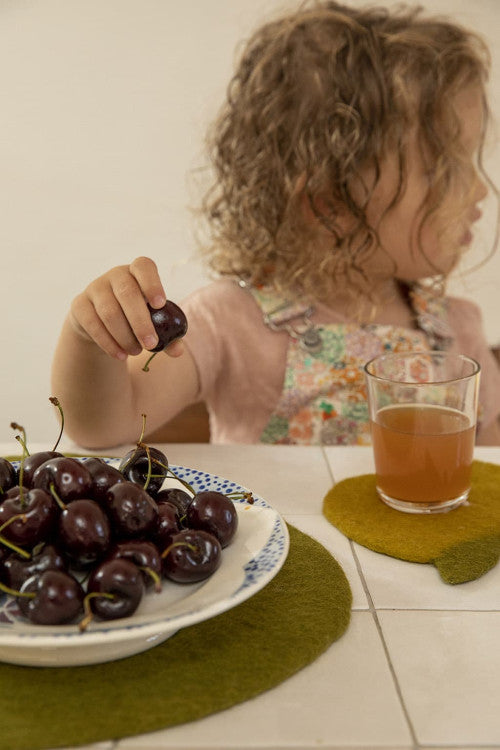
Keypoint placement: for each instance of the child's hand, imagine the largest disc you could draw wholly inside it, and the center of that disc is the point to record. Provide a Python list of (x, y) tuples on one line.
[(112, 310)]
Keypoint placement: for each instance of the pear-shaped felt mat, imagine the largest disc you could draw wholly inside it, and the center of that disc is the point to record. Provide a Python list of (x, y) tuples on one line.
[(463, 544), (198, 671)]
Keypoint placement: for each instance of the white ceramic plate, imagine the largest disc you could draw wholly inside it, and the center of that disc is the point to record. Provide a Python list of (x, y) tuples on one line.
[(253, 558)]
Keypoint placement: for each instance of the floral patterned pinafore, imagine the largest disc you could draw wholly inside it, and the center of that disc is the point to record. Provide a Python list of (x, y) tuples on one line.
[(323, 400)]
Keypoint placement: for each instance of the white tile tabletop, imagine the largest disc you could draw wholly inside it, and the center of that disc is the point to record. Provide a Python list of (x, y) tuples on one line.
[(419, 666)]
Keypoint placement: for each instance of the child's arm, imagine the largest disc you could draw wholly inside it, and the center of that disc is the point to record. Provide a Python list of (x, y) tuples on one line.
[(96, 374)]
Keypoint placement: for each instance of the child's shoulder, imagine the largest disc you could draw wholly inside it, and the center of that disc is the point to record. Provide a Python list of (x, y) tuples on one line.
[(223, 288), (463, 310), (465, 318), (224, 297)]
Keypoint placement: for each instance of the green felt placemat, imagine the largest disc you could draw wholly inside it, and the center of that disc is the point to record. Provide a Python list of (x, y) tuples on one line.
[(463, 544), (198, 671)]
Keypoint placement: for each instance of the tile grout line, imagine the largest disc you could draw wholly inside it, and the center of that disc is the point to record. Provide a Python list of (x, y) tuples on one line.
[(373, 611), (376, 620)]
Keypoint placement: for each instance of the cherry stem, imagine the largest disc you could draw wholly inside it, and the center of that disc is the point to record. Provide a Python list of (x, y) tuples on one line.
[(154, 575), (8, 543), (21, 468), (13, 592), (148, 475), (17, 517), (182, 481), (243, 495), (146, 366), (170, 547), (138, 445), (55, 401), (22, 439), (139, 442), (87, 619), (56, 497)]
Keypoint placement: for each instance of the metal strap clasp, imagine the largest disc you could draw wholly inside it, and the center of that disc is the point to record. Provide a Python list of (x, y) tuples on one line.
[(284, 318)]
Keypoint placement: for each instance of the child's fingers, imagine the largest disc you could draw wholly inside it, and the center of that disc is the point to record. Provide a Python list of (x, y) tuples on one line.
[(86, 320), (145, 272), (175, 349), (113, 310), (126, 305)]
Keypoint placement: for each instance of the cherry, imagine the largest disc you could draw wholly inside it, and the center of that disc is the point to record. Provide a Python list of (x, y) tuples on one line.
[(131, 510), (53, 598), (103, 476), (4, 555), (67, 477), (145, 466), (114, 589), (8, 476), (175, 496), (215, 513), (14, 491), (168, 524), (145, 555), (17, 570), (170, 324), (192, 556), (32, 462), (37, 514), (84, 532)]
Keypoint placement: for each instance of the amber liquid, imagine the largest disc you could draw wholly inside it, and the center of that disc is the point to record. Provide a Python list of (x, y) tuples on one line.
[(423, 454)]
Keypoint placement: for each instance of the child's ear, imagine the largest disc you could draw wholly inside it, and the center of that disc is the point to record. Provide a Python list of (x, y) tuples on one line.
[(321, 210), (311, 204)]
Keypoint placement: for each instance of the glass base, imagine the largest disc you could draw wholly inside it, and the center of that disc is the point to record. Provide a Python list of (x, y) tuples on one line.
[(409, 507)]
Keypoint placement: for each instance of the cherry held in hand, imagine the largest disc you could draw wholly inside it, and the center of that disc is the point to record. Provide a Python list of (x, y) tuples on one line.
[(170, 324)]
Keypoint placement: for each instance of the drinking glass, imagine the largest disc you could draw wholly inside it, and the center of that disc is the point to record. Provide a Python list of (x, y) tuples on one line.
[(423, 414)]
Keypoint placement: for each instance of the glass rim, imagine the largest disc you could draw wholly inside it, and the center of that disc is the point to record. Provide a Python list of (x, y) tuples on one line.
[(432, 354)]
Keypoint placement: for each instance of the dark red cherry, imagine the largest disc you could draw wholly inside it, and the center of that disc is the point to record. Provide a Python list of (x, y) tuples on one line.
[(32, 462), (168, 524), (132, 512), (14, 492), (103, 476), (57, 599), (135, 466), (122, 582), (69, 477), (38, 511), (5, 553), (84, 532), (192, 556), (176, 496), (17, 570), (142, 553), (215, 513), (8, 476), (170, 324)]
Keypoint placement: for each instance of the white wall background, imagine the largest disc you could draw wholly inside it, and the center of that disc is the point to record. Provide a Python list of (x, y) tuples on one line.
[(104, 105)]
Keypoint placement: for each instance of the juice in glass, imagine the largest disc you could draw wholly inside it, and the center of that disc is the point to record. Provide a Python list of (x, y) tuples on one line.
[(423, 453)]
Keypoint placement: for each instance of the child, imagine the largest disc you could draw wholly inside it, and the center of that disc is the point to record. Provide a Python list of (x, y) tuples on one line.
[(348, 164)]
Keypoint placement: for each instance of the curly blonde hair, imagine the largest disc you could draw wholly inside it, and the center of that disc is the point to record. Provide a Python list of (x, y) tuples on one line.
[(319, 95)]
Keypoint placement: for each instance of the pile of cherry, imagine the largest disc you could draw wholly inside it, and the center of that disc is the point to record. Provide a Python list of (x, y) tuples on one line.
[(82, 539)]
